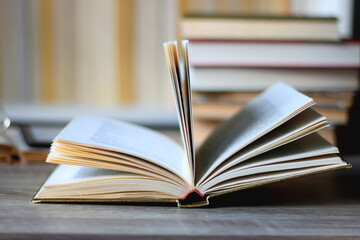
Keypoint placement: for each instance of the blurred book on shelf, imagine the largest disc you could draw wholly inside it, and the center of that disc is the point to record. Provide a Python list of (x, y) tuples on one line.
[(85, 53), (230, 79), (239, 56), (95, 54), (343, 10), (275, 54), (248, 27), (110, 53)]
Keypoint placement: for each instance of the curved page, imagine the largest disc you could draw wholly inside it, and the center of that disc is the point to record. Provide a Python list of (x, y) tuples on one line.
[(78, 182), (129, 139), (270, 109), (182, 95)]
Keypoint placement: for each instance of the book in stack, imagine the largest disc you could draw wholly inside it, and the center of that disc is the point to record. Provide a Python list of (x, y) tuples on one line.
[(233, 58), (273, 138)]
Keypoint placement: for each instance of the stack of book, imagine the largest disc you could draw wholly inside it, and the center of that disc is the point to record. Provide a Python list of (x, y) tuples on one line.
[(233, 58)]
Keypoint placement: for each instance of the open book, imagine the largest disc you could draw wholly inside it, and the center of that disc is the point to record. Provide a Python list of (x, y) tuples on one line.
[(272, 138)]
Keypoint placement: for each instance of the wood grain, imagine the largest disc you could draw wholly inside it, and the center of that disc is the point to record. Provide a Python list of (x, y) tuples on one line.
[(326, 206)]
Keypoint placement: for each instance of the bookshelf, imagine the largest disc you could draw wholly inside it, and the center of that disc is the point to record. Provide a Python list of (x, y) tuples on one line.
[(108, 54), (237, 50), (88, 53)]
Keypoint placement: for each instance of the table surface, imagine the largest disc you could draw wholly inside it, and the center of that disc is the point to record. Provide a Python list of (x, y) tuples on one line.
[(323, 206)]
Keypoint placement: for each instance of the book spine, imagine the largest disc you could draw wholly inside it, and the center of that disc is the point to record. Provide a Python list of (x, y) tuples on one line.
[(191, 192), (64, 51), (47, 52), (126, 25), (193, 198)]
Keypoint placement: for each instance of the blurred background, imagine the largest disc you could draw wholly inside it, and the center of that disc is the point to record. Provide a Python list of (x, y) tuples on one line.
[(109, 52), (59, 58)]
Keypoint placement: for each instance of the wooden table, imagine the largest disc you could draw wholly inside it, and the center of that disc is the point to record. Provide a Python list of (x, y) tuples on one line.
[(325, 206)]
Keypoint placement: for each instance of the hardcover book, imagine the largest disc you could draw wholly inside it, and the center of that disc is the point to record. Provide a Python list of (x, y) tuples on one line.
[(271, 139), (275, 54), (205, 26)]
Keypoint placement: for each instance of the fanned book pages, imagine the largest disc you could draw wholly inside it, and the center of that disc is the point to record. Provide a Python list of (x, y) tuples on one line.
[(272, 138)]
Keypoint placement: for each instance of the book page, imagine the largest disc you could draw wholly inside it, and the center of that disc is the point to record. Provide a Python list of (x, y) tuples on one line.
[(129, 139), (65, 174), (187, 92), (307, 148), (78, 182), (72, 154), (181, 89), (270, 109), (302, 124), (265, 178)]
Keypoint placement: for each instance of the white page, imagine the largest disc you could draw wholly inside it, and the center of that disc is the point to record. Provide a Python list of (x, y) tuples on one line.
[(69, 181), (270, 109), (64, 174), (187, 92), (94, 157), (259, 179), (279, 167), (182, 96), (310, 146), (302, 124), (306, 147), (182, 91), (129, 139)]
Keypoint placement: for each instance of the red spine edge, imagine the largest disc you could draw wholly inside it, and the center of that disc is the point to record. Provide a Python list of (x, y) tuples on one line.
[(191, 191)]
